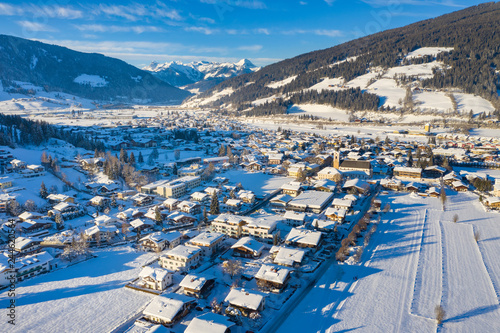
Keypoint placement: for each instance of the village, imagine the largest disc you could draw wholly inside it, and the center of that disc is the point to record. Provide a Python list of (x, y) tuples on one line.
[(238, 221)]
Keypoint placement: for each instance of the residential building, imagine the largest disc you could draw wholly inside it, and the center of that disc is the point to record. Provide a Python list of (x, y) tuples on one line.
[(181, 258)]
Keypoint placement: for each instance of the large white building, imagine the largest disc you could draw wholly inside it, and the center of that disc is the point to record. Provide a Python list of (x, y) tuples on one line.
[(181, 258)]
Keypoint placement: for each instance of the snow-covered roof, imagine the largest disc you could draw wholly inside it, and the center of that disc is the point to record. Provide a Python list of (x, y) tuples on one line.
[(183, 251), (206, 238), (194, 282), (242, 298), (303, 236), (342, 202), (33, 260), (287, 256), (250, 244), (272, 273), (22, 242), (161, 236), (166, 307), (157, 274), (296, 216), (335, 211), (313, 199), (209, 323)]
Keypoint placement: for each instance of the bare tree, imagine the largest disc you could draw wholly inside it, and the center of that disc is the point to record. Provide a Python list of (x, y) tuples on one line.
[(455, 218), (232, 267), (440, 314)]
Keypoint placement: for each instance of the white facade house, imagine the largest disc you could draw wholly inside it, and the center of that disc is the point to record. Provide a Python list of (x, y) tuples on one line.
[(181, 258)]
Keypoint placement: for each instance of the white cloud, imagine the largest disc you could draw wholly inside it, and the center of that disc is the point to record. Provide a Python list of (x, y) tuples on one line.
[(203, 30), (329, 2), (138, 11), (329, 33), (303, 3), (262, 31), (251, 48), (35, 26), (114, 28), (384, 3), (52, 11), (250, 4)]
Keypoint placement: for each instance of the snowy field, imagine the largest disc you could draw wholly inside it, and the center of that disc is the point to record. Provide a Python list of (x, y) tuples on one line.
[(322, 111), (417, 259), (258, 182), (87, 297)]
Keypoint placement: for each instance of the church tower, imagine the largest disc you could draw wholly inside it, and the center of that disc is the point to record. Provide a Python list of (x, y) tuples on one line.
[(336, 159)]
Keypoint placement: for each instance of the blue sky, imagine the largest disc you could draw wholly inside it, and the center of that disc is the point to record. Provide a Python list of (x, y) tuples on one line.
[(214, 30)]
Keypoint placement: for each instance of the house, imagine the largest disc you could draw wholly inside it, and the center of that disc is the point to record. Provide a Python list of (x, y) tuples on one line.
[(35, 226), (336, 214), (275, 159), (330, 173), (34, 264), (233, 205), (434, 171), (5, 182), (459, 186), (181, 258), (407, 172), (67, 210), (168, 309), (294, 218), (155, 278), (139, 225), (210, 322), (101, 233), (142, 199), (5, 200), (280, 201), (247, 247), (246, 196), (231, 225), (197, 286), (158, 241), (32, 171), (56, 198), (391, 184), (209, 242), (310, 201), (24, 216), (245, 301), (356, 186), (189, 207), (144, 143), (496, 188), (129, 214), (201, 198), (292, 189), (105, 220), (27, 245), (288, 257), (325, 185), (345, 204), (180, 218), (433, 192), (272, 278), (99, 201), (493, 203), (303, 238)]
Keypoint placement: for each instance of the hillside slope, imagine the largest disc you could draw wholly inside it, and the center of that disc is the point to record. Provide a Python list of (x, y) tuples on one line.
[(89, 75), (464, 57)]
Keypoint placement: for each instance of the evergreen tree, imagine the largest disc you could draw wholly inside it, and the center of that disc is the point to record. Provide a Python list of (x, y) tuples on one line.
[(205, 216), (158, 217), (123, 156), (43, 190), (131, 159), (113, 200), (140, 159), (214, 205), (410, 158), (222, 150)]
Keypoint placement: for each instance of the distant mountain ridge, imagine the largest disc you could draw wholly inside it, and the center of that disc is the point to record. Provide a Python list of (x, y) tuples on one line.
[(88, 75), (200, 75)]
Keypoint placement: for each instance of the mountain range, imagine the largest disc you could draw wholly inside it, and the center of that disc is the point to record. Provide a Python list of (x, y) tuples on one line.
[(88, 75), (363, 74), (199, 75)]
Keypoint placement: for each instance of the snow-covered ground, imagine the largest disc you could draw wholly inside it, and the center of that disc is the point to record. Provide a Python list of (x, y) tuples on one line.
[(323, 111), (433, 51), (86, 297), (258, 182), (281, 83), (417, 259)]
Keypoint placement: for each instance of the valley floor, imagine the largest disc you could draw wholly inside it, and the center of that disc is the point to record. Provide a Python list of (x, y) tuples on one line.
[(417, 259)]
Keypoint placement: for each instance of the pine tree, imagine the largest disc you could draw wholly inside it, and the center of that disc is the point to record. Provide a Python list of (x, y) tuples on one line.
[(140, 159), (131, 159), (410, 158), (123, 156), (158, 217), (214, 205), (222, 150), (43, 191)]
